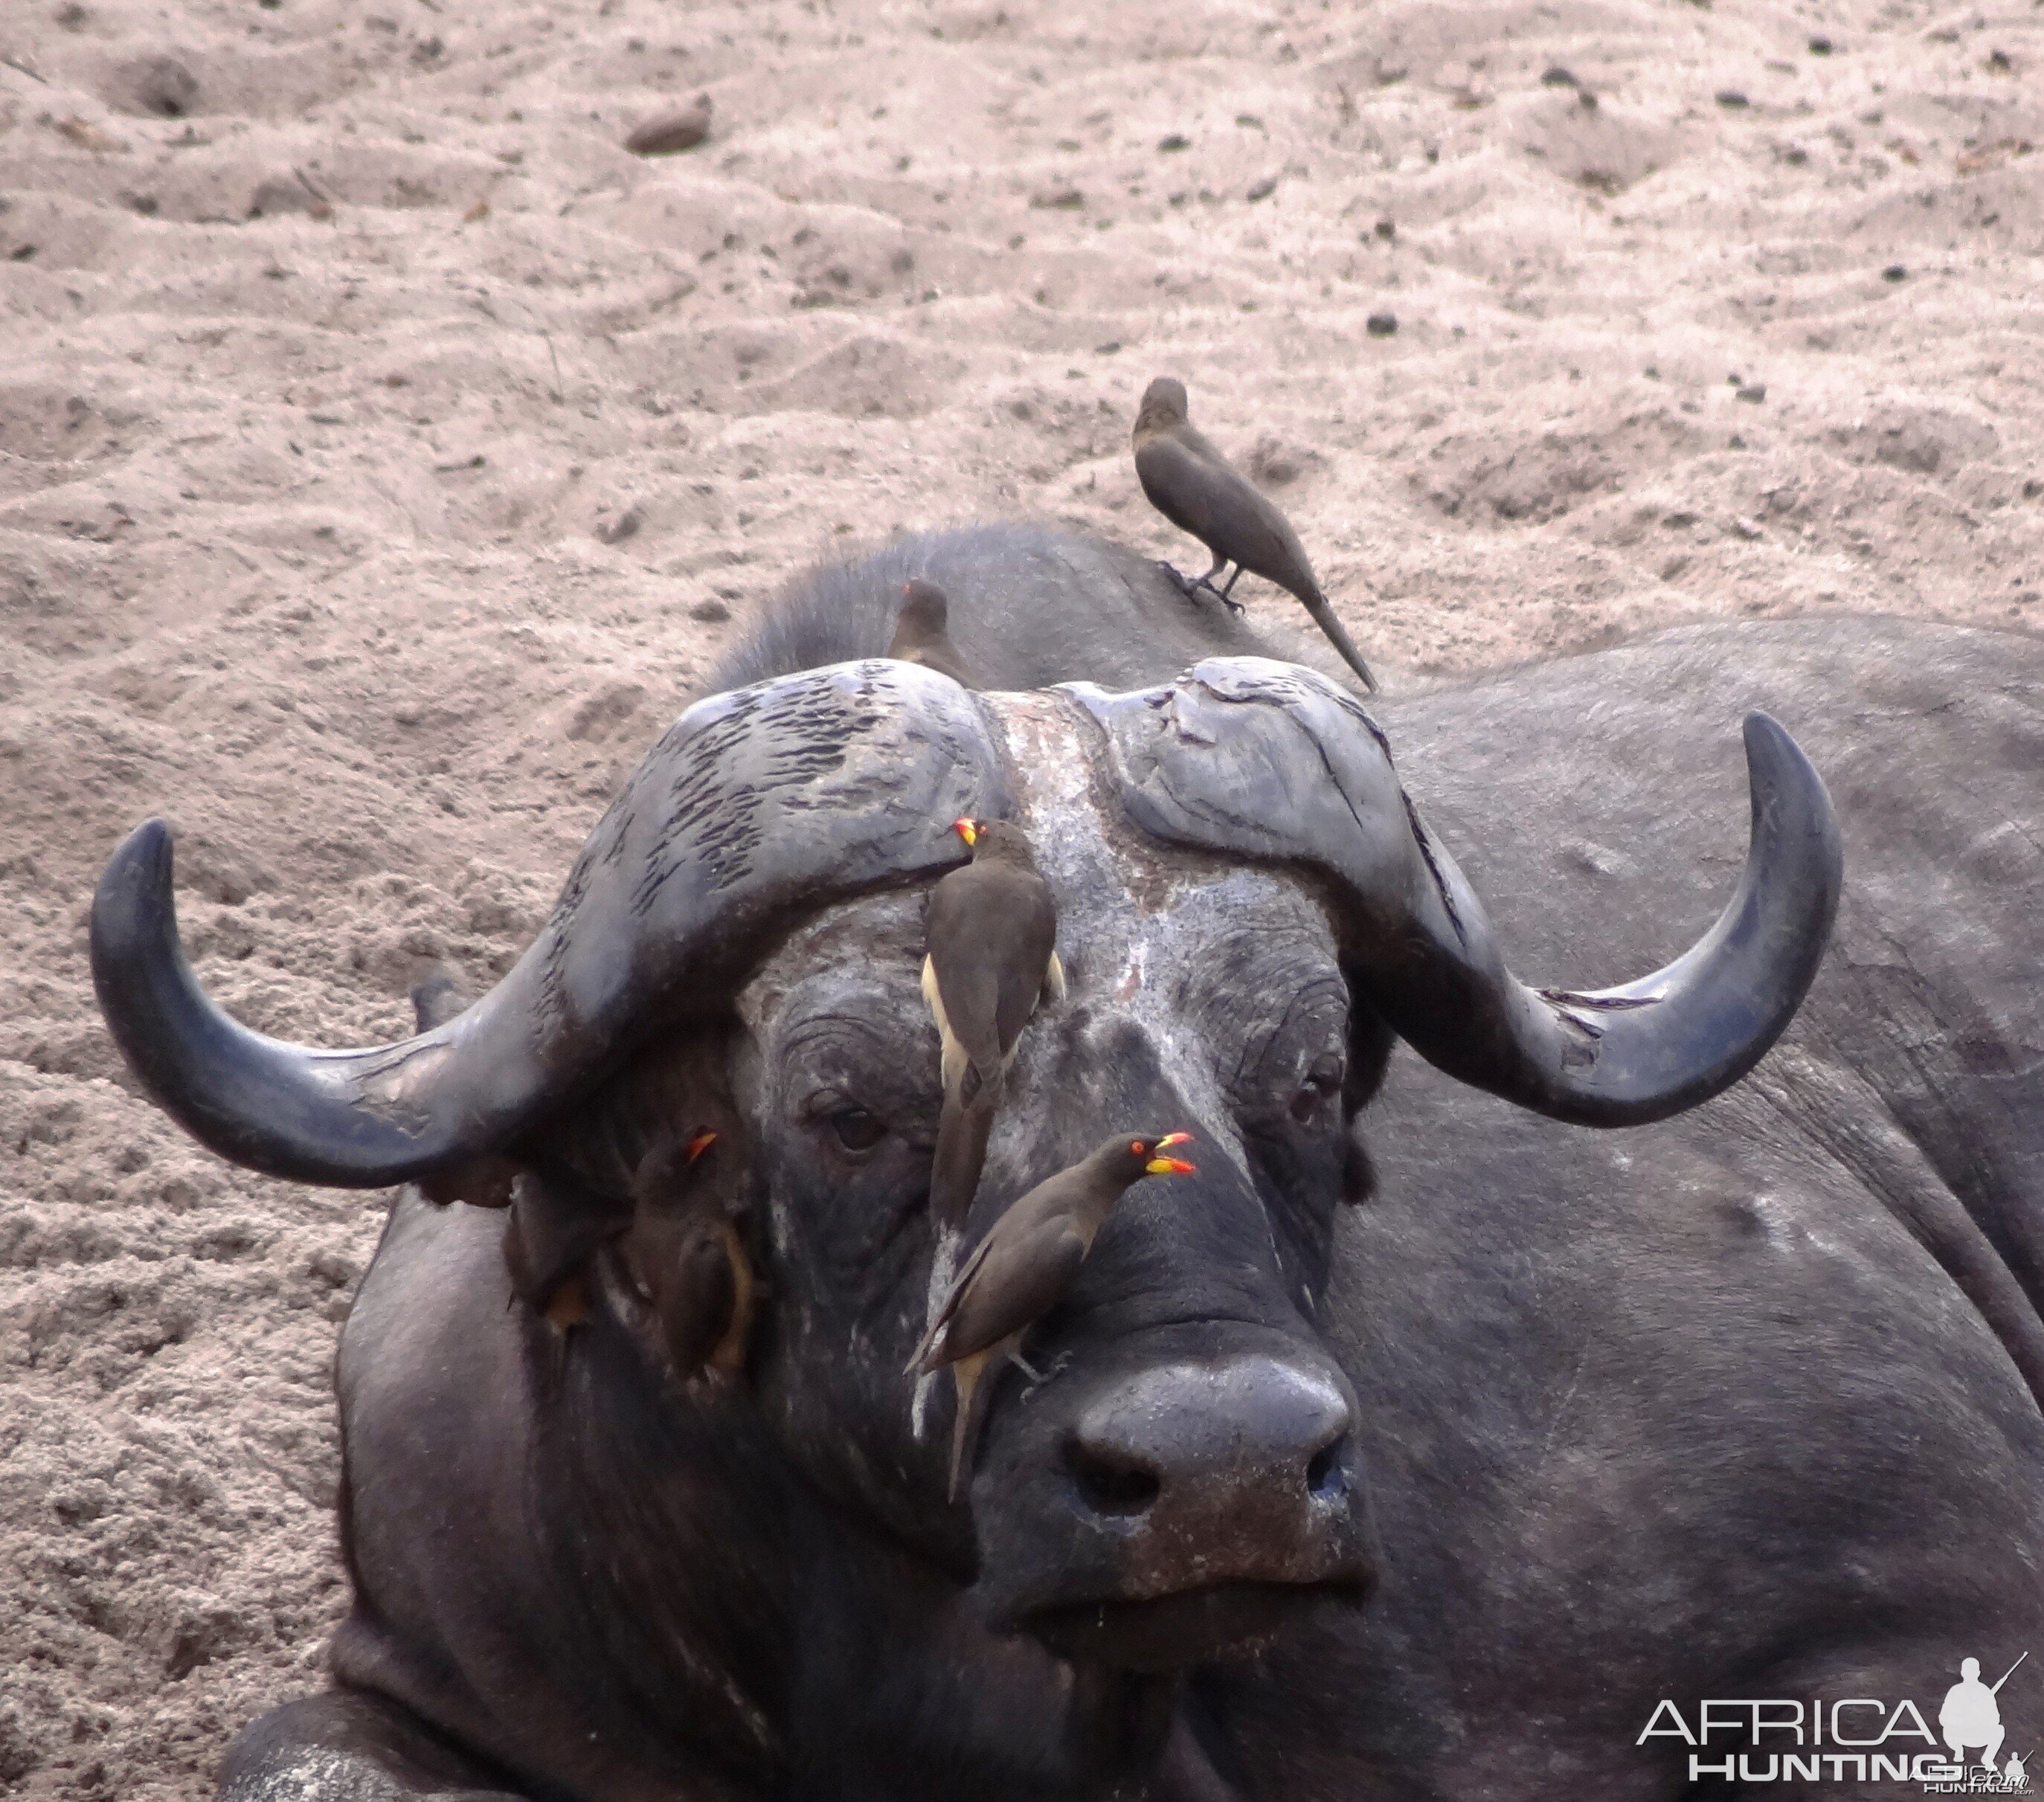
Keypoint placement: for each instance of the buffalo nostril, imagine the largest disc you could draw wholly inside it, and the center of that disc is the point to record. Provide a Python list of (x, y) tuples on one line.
[(1108, 1485), (1325, 1476)]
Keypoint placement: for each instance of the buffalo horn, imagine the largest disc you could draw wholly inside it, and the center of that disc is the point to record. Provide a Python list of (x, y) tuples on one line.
[(1268, 760), (756, 803)]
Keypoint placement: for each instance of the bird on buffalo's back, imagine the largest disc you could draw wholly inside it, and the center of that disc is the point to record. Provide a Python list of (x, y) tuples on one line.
[(1020, 1270), (990, 957), (1200, 492), (922, 633)]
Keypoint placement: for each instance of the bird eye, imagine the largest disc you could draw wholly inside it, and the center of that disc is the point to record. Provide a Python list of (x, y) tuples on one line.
[(855, 1129)]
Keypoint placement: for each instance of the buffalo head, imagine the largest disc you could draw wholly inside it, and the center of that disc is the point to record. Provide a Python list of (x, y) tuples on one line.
[(1251, 911)]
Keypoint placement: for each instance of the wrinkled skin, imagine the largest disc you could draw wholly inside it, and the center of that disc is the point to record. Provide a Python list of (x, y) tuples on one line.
[(1732, 1405)]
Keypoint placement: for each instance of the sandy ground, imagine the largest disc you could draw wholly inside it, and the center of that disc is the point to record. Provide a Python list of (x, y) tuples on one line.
[(384, 452)]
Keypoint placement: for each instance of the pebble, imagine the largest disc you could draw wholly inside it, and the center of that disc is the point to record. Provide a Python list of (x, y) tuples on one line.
[(1894, 272), (1756, 392), (665, 133), (1820, 47), (1178, 140), (163, 86), (1732, 98), (1262, 189), (286, 193), (711, 612), (1382, 325), (1559, 77), (1386, 230)]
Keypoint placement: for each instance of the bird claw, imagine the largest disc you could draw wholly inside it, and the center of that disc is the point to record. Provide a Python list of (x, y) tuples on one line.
[(1191, 586)]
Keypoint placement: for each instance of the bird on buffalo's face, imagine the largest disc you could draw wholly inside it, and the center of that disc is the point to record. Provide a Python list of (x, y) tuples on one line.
[(990, 945), (557, 1226), (687, 1256), (1199, 491), (922, 633), (1021, 1269)]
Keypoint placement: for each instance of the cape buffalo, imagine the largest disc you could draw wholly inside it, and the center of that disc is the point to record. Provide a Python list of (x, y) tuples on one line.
[(1438, 1496)]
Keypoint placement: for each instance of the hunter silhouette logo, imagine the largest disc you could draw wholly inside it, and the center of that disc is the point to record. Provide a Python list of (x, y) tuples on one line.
[(1862, 1739), (1971, 1717)]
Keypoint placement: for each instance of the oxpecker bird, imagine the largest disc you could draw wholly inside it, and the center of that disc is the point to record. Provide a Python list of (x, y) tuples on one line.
[(687, 1256), (1020, 1270), (555, 1227), (922, 633), (1199, 491), (991, 957)]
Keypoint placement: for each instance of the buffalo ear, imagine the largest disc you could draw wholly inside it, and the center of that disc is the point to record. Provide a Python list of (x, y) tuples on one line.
[(555, 1229), (437, 997), (482, 1182)]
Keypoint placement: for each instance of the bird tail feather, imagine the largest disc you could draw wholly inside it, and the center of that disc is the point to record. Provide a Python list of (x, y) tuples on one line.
[(963, 1129), (965, 1424), (1315, 603)]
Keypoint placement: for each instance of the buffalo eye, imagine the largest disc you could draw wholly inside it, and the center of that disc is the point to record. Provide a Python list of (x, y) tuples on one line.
[(1323, 1080), (854, 1128)]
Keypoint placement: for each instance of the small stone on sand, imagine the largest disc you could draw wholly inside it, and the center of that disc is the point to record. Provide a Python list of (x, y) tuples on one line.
[(665, 133)]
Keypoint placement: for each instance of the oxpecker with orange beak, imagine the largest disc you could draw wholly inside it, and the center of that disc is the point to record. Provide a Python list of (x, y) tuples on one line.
[(1020, 1270)]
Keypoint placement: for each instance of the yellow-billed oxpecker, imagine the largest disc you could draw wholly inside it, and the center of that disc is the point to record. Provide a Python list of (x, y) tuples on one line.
[(990, 941), (1019, 1271), (687, 1256)]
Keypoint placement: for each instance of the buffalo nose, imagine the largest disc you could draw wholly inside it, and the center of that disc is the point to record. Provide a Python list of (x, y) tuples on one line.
[(1254, 1449)]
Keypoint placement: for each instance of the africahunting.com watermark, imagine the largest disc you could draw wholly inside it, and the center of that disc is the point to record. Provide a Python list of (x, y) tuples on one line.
[(1859, 1738)]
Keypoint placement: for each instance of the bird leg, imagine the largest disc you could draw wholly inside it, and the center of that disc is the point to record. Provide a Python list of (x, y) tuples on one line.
[(1027, 1368), (1190, 586), (1207, 582)]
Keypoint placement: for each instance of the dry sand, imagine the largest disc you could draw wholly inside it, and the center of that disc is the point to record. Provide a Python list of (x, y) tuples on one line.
[(385, 451)]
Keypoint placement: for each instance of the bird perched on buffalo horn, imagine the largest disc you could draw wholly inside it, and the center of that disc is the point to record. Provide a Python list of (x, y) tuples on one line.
[(922, 633), (990, 944), (687, 1254), (1199, 491), (1020, 1270)]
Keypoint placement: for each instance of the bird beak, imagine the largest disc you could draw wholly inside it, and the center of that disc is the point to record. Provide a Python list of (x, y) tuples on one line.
[(966, 830), (700, 1143), (1162, 1166)]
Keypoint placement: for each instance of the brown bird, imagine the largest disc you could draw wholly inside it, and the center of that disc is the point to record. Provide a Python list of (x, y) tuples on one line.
[(990, 940), (922, 633), (687, 1256), (555, 1227), (1019, 1271), (1199, 491)]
